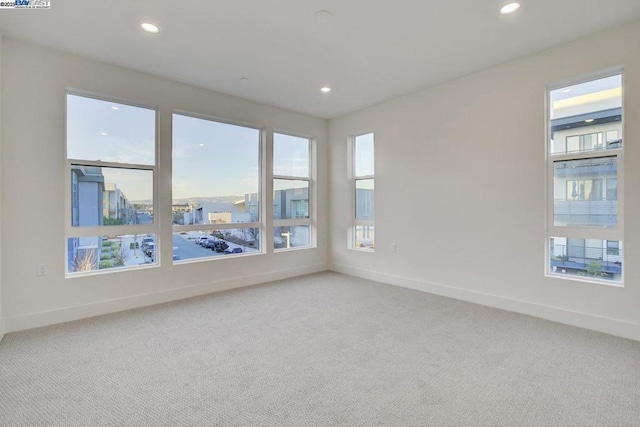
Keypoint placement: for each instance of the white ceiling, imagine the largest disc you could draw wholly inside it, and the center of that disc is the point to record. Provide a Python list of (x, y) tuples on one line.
[(368, 52)]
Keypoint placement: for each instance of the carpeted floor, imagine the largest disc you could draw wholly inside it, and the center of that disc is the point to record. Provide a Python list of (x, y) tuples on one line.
[(319, 350)]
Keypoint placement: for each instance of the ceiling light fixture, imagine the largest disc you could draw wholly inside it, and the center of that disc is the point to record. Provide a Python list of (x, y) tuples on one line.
[(104, 133), (325, 89), (589, 120), (510, 8), (566, 91), (149, 27), (115, 108)]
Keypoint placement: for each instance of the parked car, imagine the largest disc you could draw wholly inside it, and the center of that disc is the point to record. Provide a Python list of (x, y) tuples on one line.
[(208, 243), (146, 242), (149, 250), (234, 251), (176, 257), (201, 240), (219, 246)]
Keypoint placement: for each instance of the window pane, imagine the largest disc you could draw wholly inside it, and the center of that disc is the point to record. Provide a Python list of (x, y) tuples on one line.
[(364, 236), (109, 131), (587, 116), (290, 199), (215, 243), (290, 155), (599, 259), (613, 138), (109, 252), (215, 171), (613, 247), (365, 199), (110, 196), (364, 165), (585, 192), (288, 237)]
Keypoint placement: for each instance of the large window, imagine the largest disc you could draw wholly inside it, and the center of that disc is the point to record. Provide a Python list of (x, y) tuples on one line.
[(292, 187), (216, 189), (362, 230), (111, 175), (585, 152)]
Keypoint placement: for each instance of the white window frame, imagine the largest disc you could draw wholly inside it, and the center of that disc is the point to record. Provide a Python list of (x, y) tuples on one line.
[(109, 230), (584, 232), (260, 225), (311, 179), (353, 180)]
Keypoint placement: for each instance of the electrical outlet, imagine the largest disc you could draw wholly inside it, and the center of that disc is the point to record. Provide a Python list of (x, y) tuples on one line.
[(43, 270), (393, 247)]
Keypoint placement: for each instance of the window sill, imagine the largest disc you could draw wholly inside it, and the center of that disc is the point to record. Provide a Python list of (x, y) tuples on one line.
[(588, 280), (361, 249), (277, 251), (110, 271)]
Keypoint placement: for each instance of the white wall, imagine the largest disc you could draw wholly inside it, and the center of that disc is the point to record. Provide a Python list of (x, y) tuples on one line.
[(34, 80), (2, 327), (460, 187)]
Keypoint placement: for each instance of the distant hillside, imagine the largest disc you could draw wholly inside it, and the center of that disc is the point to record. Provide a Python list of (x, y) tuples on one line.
[(219, 199), (197, 200)]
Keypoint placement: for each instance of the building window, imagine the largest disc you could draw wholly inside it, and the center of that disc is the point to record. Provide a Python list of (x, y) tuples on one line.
[(111, 174), (362, 234), (292, 187), (585, 161), (216, 189)]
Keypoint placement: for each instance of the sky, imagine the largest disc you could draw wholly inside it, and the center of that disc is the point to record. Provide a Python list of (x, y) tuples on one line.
[(364, 159), (113, 132), (214, 159), (209, 158)]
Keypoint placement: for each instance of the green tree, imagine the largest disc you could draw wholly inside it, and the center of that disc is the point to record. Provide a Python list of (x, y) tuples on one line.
[(595, 269), (112, 221)]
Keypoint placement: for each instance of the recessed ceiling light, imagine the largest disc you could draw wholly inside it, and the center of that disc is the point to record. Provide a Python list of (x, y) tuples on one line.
[(589, 120), (104, 133), (323, 16), (244, 79), (115, 108), (325, 89), (149, 27), (509, 8), (201, 145), (566, 91)]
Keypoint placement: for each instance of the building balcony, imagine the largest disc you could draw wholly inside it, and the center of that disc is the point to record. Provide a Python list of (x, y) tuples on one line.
[(596, 213)]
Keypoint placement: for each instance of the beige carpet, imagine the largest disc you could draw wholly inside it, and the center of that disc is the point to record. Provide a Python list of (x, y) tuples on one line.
[(319, 350)]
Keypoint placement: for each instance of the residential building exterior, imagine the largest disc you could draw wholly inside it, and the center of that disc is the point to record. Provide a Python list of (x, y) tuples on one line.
[(87, 197), (116, 208), (291, 203)]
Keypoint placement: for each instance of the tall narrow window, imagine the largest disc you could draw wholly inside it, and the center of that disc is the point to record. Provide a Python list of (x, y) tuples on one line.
[(111, 175), (216, 189), (292, 187), (585, 155), (363, 172)]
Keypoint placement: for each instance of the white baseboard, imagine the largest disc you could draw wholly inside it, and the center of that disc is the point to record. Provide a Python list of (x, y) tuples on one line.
[(601, 324), (46, 318)]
